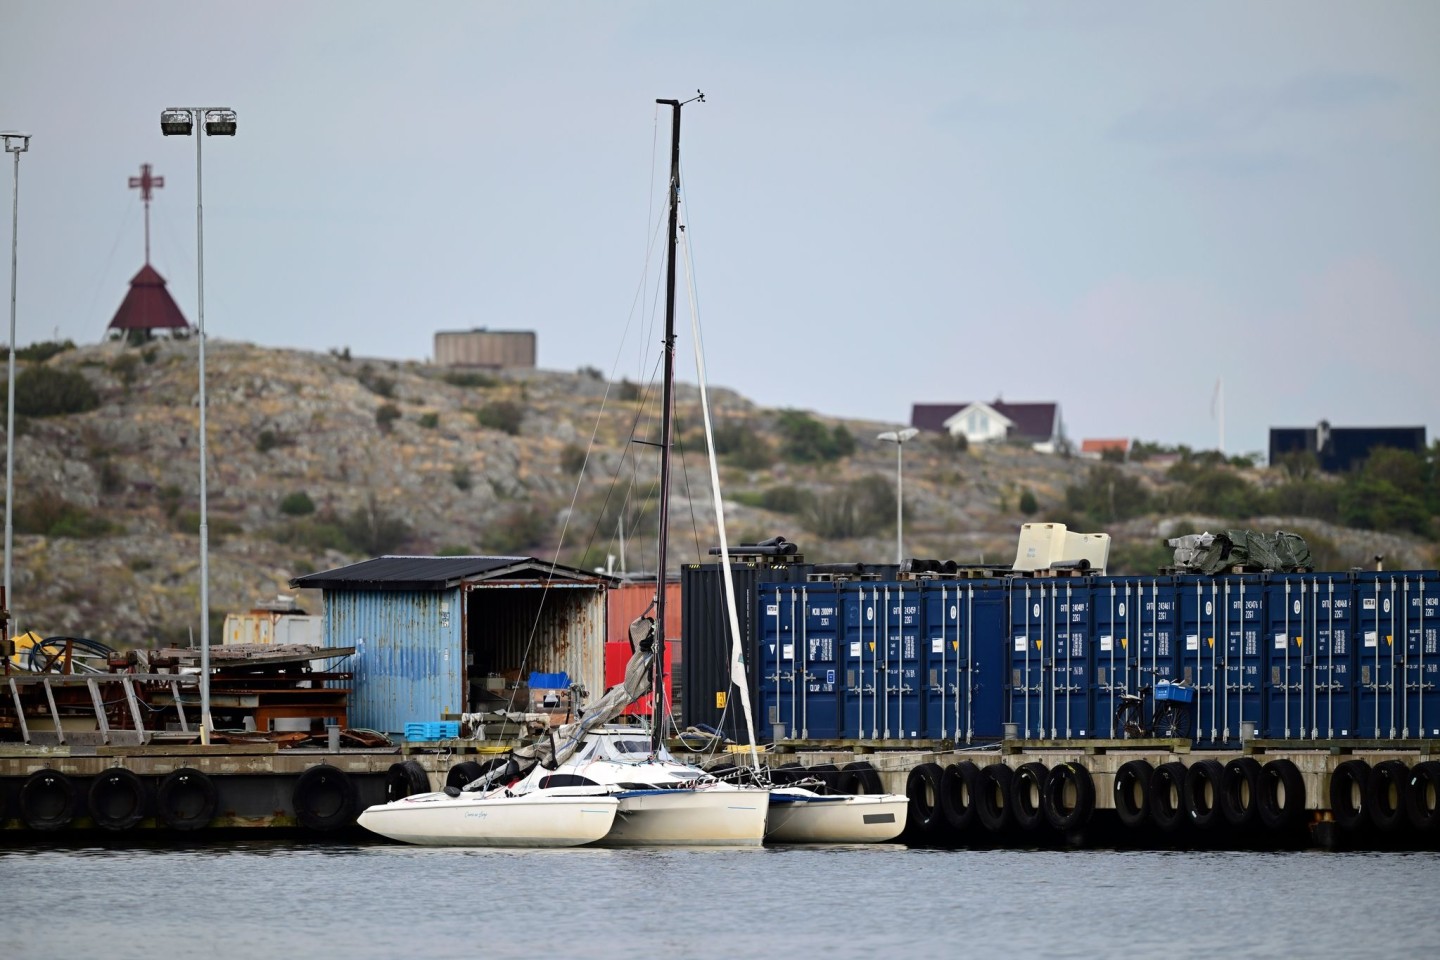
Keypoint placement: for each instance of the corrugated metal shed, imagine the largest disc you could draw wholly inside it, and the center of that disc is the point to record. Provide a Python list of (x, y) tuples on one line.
[(436, 636)]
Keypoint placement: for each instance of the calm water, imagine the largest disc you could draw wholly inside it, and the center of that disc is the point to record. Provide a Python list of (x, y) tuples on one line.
[(280, 901)]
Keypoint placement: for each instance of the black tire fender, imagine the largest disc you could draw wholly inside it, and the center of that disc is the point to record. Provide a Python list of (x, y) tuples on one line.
[(1167, 796), (1240, 791), (787, 774), (829, 774), (1349, 783), (1027, 795), (1204, 784), (992, 799), (1422, 796), (186, 799), (859, 776), (466, 771), (1282, 795), (324, 799), (925, 820), (118, 799), (958, 786), (1385, 794), (406, 779), (47, 800), (1132, 793), (1069, 796)]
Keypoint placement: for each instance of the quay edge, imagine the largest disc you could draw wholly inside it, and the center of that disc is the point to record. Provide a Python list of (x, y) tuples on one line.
[(56, 794)]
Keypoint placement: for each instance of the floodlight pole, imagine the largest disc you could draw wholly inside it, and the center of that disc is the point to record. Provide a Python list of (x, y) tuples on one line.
[(16, 143), (898, 437), (198, 119)]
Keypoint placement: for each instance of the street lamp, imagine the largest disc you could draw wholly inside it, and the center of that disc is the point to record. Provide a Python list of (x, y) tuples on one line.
[(898, 437), (16, 143), (218, 122)]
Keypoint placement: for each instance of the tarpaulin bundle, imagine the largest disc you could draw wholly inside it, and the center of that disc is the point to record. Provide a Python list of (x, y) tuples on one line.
[(1216, 553)]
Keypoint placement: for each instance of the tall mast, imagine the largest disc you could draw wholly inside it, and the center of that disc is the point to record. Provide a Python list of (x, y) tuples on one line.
[(146, 183), (668, 400)]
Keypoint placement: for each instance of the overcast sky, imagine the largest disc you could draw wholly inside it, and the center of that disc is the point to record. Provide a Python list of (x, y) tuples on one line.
[(1107, 205)]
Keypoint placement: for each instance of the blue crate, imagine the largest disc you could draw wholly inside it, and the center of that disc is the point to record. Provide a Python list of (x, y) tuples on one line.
[(1174, 692), (422, 731), (549, 681)]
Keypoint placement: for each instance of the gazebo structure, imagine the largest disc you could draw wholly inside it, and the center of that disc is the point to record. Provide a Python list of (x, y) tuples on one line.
[(147, 306)]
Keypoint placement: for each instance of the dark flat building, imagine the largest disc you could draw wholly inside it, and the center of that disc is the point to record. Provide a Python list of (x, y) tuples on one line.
[(1338, 449)]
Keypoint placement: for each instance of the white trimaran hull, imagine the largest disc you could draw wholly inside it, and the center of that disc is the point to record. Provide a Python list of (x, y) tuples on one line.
[(540, 819), (716, 817), (800, 816)]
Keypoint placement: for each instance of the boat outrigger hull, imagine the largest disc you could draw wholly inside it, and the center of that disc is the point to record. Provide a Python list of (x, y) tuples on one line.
[(720, 816), (539, 819), (801, 816)]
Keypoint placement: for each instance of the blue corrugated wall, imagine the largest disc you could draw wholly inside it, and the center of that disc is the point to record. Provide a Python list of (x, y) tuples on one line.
[(409, 651)]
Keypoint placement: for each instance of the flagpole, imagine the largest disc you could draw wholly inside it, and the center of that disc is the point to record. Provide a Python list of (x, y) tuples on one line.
[(1220, 403)]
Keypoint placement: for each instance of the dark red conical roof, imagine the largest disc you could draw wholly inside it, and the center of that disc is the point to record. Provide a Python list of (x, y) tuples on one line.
[(148, 305)]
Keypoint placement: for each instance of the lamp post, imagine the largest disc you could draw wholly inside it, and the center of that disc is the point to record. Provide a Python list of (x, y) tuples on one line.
[(218, 122), (898, 437), (16, 143)]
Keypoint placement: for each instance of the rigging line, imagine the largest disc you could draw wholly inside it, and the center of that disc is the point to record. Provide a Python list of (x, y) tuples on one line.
[(614, 483), (689, 496), (738, 674), (595, 429), (104, 276), (636, 301)]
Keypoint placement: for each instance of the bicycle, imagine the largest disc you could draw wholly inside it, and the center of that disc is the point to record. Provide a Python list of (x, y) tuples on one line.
[(1171, 715)]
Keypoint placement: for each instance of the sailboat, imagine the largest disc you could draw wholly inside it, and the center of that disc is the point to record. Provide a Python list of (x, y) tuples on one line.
[(590, 781), (795, 813)]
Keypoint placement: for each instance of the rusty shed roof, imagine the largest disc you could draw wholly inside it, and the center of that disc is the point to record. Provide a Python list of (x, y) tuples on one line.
[(438, 573)]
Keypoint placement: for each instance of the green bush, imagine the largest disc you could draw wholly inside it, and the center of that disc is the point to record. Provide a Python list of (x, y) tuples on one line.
[(266, 441), (860, 508), (468, 379), (43, 350), (217, 528), (170, 496), (370, 529), (1108, 494), (314, 534), (46, 392), (786, 499), (572, 458), (374, 382), (806, 440), (1028, 504), (1218, 490), (126, 367), (297, 504), (501, 415), (628, 391), (386, 416), (429, 420), (51, 515), (454, 550), (460, 476), (520, 530), (1306, 497), (741, 446)]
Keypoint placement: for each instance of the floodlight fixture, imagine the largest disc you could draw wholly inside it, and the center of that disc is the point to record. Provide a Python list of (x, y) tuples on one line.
[(176, 121), (220, 122)]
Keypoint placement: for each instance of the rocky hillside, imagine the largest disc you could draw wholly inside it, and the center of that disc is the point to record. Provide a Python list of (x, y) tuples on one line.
[(320, 460)]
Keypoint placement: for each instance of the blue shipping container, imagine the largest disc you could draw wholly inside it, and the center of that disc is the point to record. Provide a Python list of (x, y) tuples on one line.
[(799, 670)]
